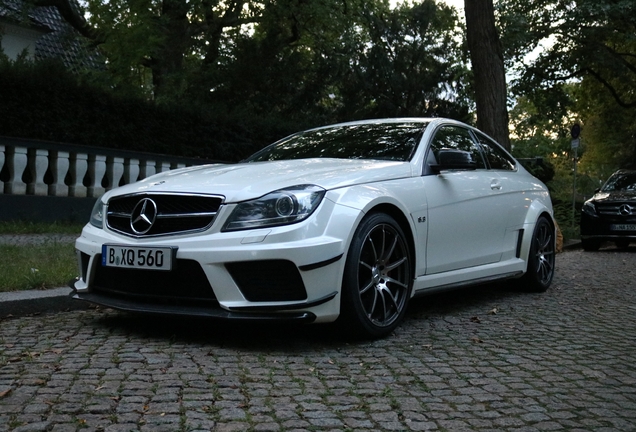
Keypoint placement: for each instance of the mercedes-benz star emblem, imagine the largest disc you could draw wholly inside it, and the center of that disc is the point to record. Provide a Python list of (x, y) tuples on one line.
[(625, 210), (143, 216)]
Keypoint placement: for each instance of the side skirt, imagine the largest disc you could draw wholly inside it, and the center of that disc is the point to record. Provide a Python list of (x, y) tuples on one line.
[(467, 283), (469, 276)]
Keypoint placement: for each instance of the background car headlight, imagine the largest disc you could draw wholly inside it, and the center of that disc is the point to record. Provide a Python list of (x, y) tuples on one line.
[(281, 207), (97, 214), (589, 208)]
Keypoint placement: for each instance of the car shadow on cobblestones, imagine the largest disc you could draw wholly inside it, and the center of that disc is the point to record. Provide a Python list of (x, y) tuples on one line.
[(278, 336)]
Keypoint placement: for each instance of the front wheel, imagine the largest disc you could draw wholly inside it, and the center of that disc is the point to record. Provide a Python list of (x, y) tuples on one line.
[(541, 258), (590, 245), (377, 280)]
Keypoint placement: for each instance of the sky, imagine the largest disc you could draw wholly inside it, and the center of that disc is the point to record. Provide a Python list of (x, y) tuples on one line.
[(458, 4)]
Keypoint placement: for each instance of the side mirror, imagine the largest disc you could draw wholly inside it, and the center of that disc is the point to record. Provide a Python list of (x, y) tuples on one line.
[(452, 159)]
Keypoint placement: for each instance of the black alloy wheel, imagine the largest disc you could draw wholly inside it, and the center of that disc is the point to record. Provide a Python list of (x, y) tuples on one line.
[(378, 278), (541, 259)]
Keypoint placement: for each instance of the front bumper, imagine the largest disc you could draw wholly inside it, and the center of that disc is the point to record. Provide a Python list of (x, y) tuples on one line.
[(291, 273), (600, 228)]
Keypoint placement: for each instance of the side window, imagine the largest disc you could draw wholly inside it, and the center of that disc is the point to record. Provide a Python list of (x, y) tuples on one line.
[(497, 157), (453, 137)]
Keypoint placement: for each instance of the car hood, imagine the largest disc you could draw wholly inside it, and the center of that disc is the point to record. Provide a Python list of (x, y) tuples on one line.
[(243, 181), (614, 196)]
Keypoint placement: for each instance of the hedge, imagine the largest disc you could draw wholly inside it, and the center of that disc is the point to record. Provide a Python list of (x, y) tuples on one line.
[(42, 100)]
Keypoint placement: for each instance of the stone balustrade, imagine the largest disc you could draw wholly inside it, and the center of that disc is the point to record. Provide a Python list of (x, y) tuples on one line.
[(40, 168)]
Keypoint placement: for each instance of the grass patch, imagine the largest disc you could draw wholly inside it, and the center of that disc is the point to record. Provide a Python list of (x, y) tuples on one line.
[(48, 265), (22, 227)]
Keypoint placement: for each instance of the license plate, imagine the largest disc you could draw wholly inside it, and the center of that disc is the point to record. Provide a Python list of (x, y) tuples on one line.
[(138, 257), (623, 227)]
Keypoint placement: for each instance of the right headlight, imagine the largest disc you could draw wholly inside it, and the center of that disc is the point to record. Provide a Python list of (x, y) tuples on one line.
[(97, 214), (281, 207), (589, 208)]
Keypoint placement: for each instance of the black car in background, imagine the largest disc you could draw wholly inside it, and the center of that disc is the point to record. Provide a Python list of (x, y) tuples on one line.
[(610, 215)]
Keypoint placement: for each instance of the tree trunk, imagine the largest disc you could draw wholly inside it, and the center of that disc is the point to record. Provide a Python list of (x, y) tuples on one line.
[(488, 69)]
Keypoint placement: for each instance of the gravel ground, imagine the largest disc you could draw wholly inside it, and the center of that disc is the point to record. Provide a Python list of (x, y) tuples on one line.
[(483, 359)]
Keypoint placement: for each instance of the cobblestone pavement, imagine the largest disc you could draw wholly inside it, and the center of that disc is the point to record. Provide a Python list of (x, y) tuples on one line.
[(483, 359)]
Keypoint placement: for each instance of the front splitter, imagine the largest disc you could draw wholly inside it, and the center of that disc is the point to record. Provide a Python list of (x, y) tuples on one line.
[(192, 311)]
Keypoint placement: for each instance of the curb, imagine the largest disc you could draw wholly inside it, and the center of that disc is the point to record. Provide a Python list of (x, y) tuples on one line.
[(30, 302), (572, 244)]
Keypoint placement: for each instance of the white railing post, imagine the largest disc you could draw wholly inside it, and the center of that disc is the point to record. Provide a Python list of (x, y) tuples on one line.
[(115, 170), (38, 164), (49, 171), (165, 166), (59, 163), (131, 170), (16, 161), (96, 171), (1, 166), (148, 168), (78, 169)]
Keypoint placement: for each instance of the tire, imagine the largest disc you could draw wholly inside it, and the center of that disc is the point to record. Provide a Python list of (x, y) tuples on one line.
[(622, 244), (377, 280), (541, 258), (590, 245)]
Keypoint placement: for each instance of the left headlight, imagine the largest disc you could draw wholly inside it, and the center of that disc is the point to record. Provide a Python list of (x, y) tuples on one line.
[(281, 207), (589, 208), (97, 214)]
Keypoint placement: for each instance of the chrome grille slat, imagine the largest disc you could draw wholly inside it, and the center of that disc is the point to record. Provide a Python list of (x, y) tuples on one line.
[(176, 213), (186, 215), (613, 209)]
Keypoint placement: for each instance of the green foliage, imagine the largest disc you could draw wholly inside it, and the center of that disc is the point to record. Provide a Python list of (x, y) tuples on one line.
[(366, 60), (584, 39), (222, 79), (44, 101), (609, 132), (406, 62), (585, 72)]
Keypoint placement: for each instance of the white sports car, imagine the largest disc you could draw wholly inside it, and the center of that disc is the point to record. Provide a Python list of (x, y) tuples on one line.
[(344, 222)]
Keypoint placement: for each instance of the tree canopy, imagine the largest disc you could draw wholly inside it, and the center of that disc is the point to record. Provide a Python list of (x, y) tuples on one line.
[(293, 64), (326, 60)]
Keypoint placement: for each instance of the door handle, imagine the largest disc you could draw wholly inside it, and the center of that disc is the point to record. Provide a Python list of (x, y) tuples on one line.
[(495, 185)]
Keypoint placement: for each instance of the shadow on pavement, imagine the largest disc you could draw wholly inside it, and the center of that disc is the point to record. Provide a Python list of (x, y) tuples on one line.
[(285, 337)]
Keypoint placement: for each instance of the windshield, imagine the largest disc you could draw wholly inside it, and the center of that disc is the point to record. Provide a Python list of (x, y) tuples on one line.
[(621, 182), (386, 141)]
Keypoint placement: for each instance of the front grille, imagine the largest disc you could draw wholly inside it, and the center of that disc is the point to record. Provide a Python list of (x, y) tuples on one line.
[(614, 209), (611, 212), (186, 283), (270, 280), (174, 213)]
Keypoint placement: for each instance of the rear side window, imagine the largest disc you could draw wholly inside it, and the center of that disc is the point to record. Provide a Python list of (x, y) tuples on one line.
[(496, 156)]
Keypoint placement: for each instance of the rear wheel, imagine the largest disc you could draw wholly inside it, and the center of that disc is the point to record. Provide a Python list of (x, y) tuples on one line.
[(622, 244), (541, 259), (377, 280)]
